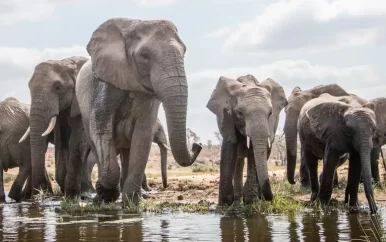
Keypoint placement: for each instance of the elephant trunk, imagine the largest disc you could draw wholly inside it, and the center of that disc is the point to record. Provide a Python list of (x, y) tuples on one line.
[(260, 145), (366, 173), (290, 131), (164, 161), (172, 90), (39, 121)]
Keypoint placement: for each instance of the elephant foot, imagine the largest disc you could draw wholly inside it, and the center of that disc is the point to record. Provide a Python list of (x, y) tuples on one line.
[(131, 199), (86, 196), (2, 198), (105, 194), (225, 200), (147, 188), (15, 196), (314, 197), (305, 183)]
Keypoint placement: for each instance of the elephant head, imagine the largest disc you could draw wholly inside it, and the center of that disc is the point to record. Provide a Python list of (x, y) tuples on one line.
[(252, 109), (52, 88), (147, 57), (296, 101), (349, 128), (380, 114)]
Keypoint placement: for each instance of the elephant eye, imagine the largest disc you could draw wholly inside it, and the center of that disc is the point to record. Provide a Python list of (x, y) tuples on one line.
[(145, 56)]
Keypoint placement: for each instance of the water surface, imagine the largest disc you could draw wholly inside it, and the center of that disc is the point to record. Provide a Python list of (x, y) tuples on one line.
[(32, 222)]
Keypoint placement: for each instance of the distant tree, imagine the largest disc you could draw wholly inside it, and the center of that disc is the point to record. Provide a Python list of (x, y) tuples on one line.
[(218, 136), (209, 144), (192, 137), (278, 147)]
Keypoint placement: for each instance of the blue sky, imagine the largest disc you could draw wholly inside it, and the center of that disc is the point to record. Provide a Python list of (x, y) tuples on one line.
[(296, 42)]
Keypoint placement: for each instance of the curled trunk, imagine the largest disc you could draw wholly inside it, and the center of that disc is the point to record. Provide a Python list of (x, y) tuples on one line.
[(172, 90)]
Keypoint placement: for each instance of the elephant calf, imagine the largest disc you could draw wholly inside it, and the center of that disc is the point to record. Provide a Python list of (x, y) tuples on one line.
[(14, 121), (247, 117), (329, 129)]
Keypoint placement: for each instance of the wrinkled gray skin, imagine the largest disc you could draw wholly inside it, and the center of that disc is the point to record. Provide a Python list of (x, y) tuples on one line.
[(14, 121), (159, 138), (246, 108), (296, 101), (329, 129), (52, 88), (135, 65)]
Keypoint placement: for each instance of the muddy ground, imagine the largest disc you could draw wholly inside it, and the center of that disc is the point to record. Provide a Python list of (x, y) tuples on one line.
[(201, 181)]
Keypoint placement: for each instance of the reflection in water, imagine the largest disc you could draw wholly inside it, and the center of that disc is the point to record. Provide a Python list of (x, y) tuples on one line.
[(27, 222)]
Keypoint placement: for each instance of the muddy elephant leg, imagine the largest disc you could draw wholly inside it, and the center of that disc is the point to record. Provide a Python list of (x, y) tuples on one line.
[(303, 173), (2, 194), (354, 174), (238, 180), (227, 167), (18, 183), (329, 167), (27, 193), (139, 154), (124, 156), (336, 181), (374, 164), (311, 163)]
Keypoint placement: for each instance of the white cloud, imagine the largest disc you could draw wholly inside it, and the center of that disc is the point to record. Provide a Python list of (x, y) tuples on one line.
[(155, 2), (311, 25), (15, 10), (17, 66)]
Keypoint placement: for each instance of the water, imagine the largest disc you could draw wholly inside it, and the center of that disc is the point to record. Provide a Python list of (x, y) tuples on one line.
[(29, 222)]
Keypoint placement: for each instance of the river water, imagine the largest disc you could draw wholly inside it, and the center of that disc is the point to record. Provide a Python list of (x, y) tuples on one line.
[(37, 222)]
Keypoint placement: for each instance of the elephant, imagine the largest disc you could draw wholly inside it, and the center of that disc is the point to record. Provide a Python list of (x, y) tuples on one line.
[(14, 120), (297, 99), (159, 138), (52, 88), (247, 116), (327, 130), (135, 66)]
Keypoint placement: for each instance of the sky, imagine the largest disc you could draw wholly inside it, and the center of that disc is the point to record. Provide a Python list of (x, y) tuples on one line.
[(295, 42)]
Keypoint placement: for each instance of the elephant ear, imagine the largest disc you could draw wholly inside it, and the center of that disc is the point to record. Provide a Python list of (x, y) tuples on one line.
[(75, 111), (220, 103), (110, 50), (379, 105), (278, 101), (332, 89), (326, 118)]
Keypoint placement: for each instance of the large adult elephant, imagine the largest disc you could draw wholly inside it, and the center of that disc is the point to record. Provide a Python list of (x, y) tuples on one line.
[(135, 65), (247, 117), (52, 88), (329, 129), (297, 99), (159, 138), (14, 121)]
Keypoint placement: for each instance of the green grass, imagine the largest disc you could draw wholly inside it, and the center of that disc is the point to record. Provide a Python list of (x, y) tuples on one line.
[(203, 169)]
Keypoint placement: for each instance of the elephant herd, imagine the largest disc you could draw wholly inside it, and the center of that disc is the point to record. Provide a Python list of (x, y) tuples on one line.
[(96, 109)]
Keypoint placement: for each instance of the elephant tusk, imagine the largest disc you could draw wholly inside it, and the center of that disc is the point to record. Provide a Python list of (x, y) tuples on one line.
[(51, 126), (166, 146), (269, 143), (26, 134), (248, 141)]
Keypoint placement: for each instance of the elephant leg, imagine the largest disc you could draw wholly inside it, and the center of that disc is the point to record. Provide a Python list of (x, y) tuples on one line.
[(238, 180), (145, 184), (374, 164), (311, 163), (251, 188), (227, 166), (336, 181), (139, 154), (47, 180), (27, 192), (2, 194), (125, 156), (18, 183), (354, 173), (303, 172), (77, 147), (329, 168)]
